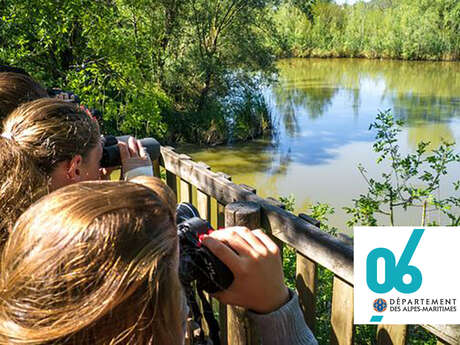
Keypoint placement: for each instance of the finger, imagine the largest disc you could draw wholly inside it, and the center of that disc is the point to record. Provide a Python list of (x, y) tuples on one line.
[(253, 240), (223, 252), (233, 239), (142, 151), (124, 152), (267, 241), (132, 146)]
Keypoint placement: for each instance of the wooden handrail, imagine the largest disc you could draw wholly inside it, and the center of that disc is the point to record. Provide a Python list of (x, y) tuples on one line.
[(313, 245), (306, 238)]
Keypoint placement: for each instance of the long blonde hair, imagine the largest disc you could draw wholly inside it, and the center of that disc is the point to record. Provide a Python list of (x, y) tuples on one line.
[(93, 263), (36, 136)]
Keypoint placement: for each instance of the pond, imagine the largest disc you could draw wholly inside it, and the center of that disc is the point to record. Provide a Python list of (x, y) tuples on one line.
[(322, 109)]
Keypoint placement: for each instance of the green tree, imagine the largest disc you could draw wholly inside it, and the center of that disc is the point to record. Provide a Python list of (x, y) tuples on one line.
[(159, 67), (412, 180)]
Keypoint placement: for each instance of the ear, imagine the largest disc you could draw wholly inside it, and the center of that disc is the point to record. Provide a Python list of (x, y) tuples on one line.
[(74, 169)]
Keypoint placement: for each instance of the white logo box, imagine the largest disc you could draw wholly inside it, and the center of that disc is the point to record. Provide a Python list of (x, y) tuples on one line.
[(437, 257)]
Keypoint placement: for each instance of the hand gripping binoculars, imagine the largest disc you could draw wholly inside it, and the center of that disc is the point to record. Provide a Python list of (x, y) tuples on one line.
[(111, 151)]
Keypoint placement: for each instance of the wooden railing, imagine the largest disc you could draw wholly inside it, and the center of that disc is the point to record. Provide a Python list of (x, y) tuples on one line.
[(214, 194)]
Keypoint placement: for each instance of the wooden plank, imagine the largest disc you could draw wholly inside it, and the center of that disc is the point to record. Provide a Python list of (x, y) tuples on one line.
[(342, 313), (309, 219), (321, 247), (185, 191), (203, 200), (171, 181), (223, 323), (348, 240), (306, 284), (275, 202), (156, 168), (450, 334), (220, 215), (240, 329), (223, 309), (391, 334), (248, 188), (221, 207), (203, 205)]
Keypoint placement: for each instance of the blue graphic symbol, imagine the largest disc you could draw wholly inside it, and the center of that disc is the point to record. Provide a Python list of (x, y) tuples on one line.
[(380, 305), (394, 272)]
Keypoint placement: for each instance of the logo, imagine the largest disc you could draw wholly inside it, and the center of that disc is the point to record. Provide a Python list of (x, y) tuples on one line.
[(395, 273), (380, 305), (404, 275)]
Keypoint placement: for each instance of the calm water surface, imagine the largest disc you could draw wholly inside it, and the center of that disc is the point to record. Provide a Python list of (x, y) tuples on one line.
[(322, 110)]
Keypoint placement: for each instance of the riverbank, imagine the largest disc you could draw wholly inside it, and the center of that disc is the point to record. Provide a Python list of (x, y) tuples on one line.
[(321, 110), (397, 29)]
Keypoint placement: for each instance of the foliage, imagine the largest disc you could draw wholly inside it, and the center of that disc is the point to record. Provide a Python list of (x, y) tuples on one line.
[(412, 180), (398, 29), (157, 67)]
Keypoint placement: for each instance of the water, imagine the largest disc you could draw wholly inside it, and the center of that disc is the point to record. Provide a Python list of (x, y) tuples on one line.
[(322, 109)]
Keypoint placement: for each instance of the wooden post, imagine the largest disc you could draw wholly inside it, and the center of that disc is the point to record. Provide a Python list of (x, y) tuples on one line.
[(223, 317), (342, 313), (391, 334), (306, 276), (241, 330), (203, 200)]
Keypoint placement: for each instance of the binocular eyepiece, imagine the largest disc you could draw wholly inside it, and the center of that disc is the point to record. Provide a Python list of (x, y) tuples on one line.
[(111, 151)]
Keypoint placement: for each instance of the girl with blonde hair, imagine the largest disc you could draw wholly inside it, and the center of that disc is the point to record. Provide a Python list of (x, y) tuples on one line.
[(97, 263), (93, 263), (47, 144)]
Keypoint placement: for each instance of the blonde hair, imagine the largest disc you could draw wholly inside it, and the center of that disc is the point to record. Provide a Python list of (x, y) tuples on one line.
[(35, 137), (16, 89), (93, 263)]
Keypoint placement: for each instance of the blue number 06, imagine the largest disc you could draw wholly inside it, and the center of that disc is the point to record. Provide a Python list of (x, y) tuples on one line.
[(394, 272)]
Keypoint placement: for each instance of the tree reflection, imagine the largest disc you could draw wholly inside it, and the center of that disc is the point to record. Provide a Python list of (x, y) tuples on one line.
[(417, 91)]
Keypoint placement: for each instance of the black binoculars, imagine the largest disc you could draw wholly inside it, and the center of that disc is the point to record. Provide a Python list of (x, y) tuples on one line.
[(111, 151)]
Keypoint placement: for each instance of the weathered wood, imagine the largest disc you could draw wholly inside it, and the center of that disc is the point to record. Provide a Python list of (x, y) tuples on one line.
[(342, 313), (171, 181), (306, 279), (203, 200), (185, 191), (220, 215), (275, 202), (450, 334), (241, 330), (297, 233), (221, 207), (309, 219), (156, 168), (248, 188), (391, 334), (203, 205), (345, 238), (223, 323)]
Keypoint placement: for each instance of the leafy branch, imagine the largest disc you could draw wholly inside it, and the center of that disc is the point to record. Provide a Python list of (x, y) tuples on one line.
[(413, 180)]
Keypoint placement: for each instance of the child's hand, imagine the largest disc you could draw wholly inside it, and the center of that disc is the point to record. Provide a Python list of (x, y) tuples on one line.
[(255, 262)]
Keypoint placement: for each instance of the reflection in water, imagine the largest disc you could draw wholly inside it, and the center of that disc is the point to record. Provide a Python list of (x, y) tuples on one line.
[(322, 110), (437, 132)]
